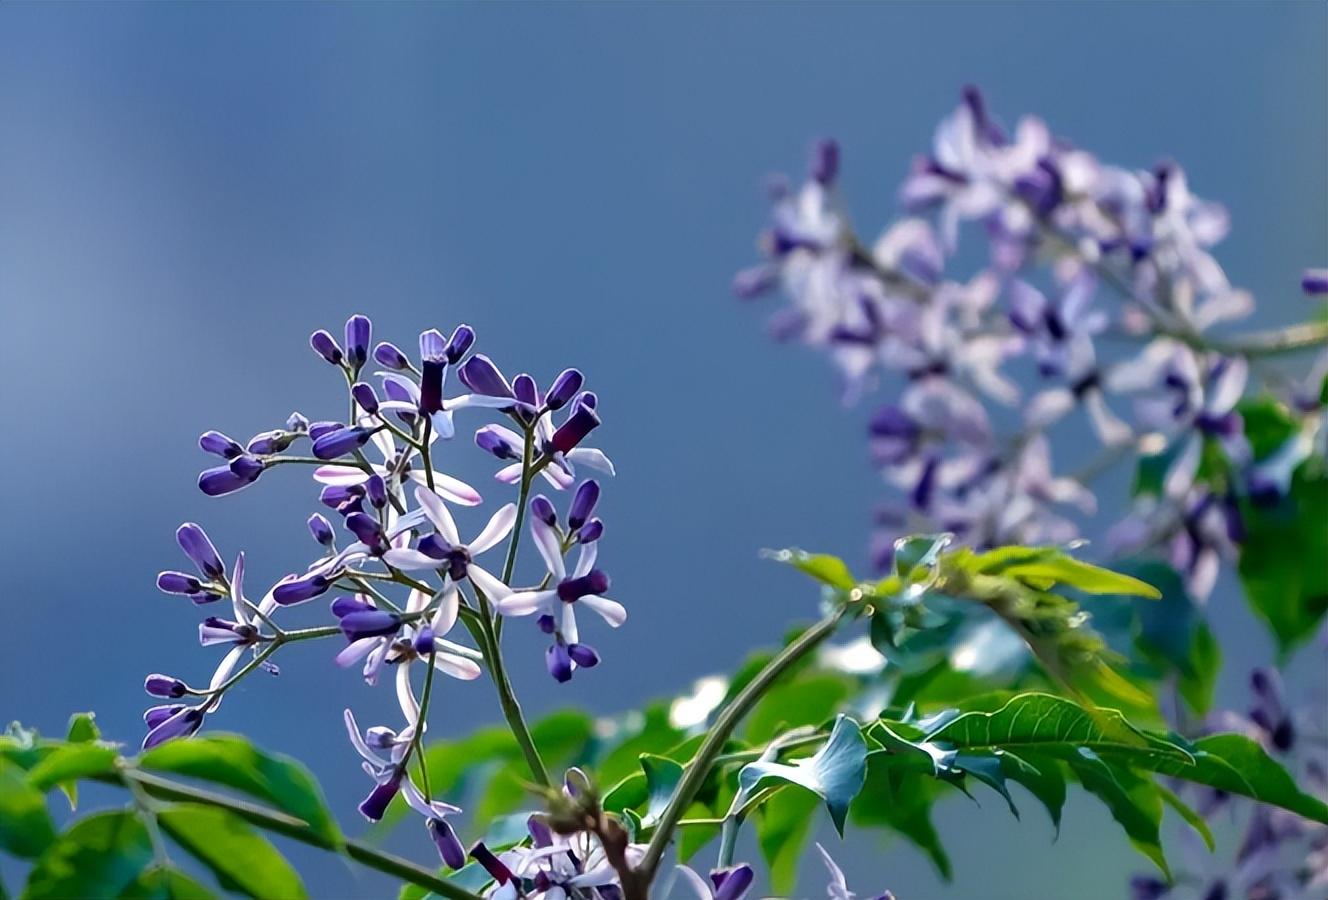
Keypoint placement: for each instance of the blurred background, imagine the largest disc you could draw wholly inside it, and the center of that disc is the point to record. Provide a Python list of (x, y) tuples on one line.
[(186, 191)]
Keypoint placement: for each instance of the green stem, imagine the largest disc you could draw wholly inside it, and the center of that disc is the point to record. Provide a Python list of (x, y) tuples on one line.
[(481, 628), (710, 750), (293, 828)]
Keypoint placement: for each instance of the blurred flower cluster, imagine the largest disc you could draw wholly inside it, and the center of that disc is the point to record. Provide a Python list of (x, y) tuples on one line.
[(967, 450)]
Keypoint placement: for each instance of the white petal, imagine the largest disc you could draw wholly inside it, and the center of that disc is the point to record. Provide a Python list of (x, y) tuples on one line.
[(1110, 429), (567, 626), (225, 667), (357, 740), (410, 560), (490, 585), (436, 510), (610, 611), (340, 476), (477, 401), (410, 707), (446, 614), (556, 476), (1183, 469), (546, 542), (695, 882), (592, 457), (523, 603), (417, 600), (509, 474), (237, 590), (443, 426), (1225, 392), (456, 666), (356, 651), (450, 488), (1048, 407), (586, 560), (500, 525)]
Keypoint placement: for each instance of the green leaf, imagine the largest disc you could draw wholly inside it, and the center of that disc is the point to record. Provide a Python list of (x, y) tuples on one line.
[(240, 857), (1198, 680), (83, 728), (1134, 802), (71, 762), (829, 570), (655, 735), (1192, 818), (1041, 776), (562, 737), (164, 883), (1054, 568), (662, 777), (232, 761), (988, 769), (98, 857), (25, 824), (1239, 765), (835, 773), (782, 828), (1281, 560), (893, 796), (1046, 722)]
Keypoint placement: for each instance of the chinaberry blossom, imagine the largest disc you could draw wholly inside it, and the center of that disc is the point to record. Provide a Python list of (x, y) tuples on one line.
[(556, 599), (553, 867)]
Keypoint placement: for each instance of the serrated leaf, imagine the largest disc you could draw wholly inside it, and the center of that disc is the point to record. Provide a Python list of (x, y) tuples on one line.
[(241, 858), (163, 883), (1044, 722), (25, 823), (1041, 776), (893, 796), (987, 768), (1134, 802), (835, 773), (96, 859), (233, 761), (1239, 765)]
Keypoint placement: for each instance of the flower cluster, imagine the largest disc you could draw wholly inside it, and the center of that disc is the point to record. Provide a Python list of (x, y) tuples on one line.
[(961, 444), (380, 481)]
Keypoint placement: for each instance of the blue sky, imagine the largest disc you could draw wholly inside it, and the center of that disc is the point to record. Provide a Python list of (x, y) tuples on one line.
[(187, 190)]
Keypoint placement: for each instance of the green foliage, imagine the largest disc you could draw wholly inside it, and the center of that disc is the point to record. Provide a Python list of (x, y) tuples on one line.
[(1284, 559), (242, 860), (25, 825), (98, 857), (234, 762), (165, 883)]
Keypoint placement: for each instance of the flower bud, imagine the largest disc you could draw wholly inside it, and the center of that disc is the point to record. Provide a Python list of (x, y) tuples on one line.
[(580, 423), (359, 330), (375, 489), (375, 805), (369, 623), (483, 377), (433, 364), (460, 343), (445, 839), (178, 583), (268, 442), (542, 509), (583, 655), (193, 540), (583, 504), (326, 346), (365, 396), (321, 530), (164, 686), (219, 444), (342, 441), (564, 389), (318, 429), (559, 663), (390, 356), (298, 590), (591, 531), (491, 439), (825, 161), (343, 606)]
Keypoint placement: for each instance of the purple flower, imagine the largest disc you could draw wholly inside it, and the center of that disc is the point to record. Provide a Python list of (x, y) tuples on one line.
[(395, 471), (446, 551), (556, 605), (359, 331), (1315, 281), (218, 444), (730, 883), (390, 355), (241, 472), (342, 441), (480, 375)]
